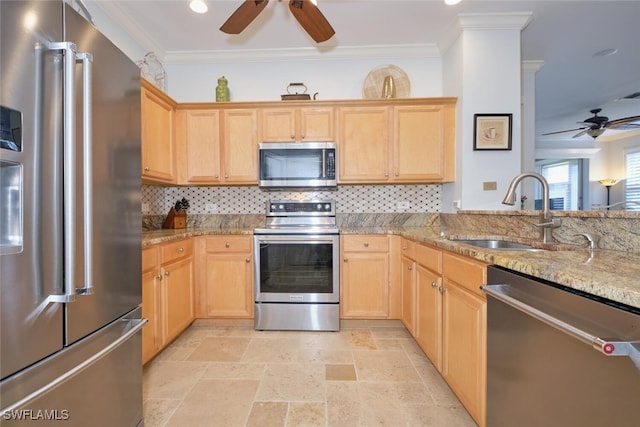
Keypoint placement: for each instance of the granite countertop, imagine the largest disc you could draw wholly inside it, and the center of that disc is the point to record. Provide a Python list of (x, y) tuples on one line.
[(614, 275)]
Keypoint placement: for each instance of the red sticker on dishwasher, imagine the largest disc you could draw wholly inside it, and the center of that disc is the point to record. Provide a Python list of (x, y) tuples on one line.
[(608, 348)]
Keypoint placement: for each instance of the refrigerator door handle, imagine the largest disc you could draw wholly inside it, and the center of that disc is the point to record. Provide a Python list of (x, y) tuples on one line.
[(69, 117), (87, 131), (135, 326), (71, 56)]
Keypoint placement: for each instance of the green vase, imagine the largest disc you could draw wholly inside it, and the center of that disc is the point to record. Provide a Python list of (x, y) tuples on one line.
[(222, 90)]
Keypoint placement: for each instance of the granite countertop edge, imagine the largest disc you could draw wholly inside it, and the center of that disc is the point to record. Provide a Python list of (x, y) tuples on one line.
[(613, 275)]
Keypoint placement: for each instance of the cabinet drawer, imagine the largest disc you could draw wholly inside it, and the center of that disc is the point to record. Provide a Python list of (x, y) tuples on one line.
[(229, 244), (175, 250), (408, 248), (467, 273), (365, 243), (150, 258), (429, 257)]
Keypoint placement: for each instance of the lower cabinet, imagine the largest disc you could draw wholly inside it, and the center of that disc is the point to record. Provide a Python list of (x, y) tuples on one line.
[(225, 276), (167, 294), (364, 277), (445, 311), (464, 332)]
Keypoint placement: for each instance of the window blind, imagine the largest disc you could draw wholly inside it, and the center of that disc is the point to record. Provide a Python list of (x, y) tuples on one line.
[(632, 183)]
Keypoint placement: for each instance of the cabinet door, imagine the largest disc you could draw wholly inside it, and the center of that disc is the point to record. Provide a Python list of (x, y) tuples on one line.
[(278, 125), (429, 314), (409, 294), (364, 288), (363, 150), (419, 138), (239, 147), (464, 347), (152, 331), (228, 285), (202, 142), (316, 124), (158, 151), (177, 296)]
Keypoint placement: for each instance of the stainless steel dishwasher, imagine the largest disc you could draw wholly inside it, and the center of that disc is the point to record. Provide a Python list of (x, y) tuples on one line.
[(558, 357)]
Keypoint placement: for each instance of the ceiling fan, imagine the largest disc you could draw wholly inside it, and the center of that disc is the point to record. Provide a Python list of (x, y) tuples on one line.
[(596, 125), (305, 11)]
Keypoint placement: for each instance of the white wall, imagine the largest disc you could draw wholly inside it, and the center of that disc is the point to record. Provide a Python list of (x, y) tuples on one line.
[(266, 81)]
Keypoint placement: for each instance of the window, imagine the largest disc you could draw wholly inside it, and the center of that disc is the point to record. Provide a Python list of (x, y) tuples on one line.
[(565, 178), (632, 183)]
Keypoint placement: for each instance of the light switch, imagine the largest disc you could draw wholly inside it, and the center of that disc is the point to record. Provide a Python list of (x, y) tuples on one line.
[(489, 185)]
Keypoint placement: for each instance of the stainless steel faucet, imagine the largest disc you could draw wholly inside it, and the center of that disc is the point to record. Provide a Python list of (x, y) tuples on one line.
[(547, 223)]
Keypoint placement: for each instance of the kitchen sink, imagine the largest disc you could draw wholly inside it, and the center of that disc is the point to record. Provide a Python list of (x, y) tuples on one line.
[(505, 245)]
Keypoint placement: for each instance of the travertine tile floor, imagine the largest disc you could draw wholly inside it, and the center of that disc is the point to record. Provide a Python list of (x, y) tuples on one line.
[(367, 374)]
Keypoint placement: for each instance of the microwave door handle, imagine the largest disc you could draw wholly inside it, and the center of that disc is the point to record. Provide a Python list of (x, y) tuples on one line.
[(324, 163)]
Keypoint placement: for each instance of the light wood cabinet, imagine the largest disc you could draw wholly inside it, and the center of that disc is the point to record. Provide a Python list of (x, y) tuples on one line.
[(217, 146), (151, 279), (239, 146), (429, 302), (297, 124), (167, 294), (363, 144), (364, 277), (403, 144), (225, 276), (408, 283), (158, 151), (464, 335), (423, 146)]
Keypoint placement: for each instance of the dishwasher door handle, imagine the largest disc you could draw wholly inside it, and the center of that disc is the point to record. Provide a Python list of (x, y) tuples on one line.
[(606, 347)]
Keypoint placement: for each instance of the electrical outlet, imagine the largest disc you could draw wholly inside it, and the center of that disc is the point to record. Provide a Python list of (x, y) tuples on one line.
[(211, 207), (404, 205), (457, 204), (145, 207)]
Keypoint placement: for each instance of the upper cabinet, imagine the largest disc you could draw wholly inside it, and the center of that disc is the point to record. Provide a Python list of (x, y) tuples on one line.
[(297, 124), (381, 141), (217, 146), (387, 143), (157, 128)]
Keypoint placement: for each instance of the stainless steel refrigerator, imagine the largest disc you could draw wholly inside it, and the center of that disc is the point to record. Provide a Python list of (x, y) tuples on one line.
[(70, 222)]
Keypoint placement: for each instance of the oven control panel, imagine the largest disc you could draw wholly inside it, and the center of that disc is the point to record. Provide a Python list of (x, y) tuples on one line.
[(301, 207)]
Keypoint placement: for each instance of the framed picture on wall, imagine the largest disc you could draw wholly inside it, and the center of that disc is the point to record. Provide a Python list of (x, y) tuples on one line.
[(492, 131)]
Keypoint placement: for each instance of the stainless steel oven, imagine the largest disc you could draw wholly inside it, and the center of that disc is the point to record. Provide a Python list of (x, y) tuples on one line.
[(297, 276)]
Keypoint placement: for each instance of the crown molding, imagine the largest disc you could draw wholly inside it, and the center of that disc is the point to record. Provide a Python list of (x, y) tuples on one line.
[(301, 54)]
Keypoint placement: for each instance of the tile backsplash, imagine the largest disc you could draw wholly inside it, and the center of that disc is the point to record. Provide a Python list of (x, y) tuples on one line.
[(252, 200)]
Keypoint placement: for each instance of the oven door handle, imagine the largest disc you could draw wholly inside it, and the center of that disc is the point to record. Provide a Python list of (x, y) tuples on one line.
[(297, 239)]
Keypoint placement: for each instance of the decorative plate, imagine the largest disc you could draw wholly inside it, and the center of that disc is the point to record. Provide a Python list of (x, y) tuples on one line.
[(372, 86)]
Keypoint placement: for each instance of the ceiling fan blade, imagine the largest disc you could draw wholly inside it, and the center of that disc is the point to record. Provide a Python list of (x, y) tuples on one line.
[(243, 15), (562, 131), (312, 20), (623, 121), (579, 134)]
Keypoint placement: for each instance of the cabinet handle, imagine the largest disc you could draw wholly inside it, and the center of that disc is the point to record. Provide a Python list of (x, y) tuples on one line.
[(303, 136), (217, 176), (410, 268), (396, 174), (227, 245), (346, 260), (366, 245), (226, 176), (404, 248), (434, 285), (146, 169), (293, 137), (247, 260), (386, 174), (180, 250), (159, 277), (442, 289), (167, 273)]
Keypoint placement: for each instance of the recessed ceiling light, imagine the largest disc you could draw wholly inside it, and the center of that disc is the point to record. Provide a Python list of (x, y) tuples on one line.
[(452, 2), (198, 6), (605, 52)]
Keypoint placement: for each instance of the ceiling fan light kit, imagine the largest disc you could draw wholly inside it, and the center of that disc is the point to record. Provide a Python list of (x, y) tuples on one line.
[(305, 12)]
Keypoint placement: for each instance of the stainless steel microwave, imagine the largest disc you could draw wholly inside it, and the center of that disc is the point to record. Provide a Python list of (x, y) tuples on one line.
[(301, 165)]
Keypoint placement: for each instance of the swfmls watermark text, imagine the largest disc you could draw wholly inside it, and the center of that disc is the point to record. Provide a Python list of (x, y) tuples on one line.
[(36, 415)]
